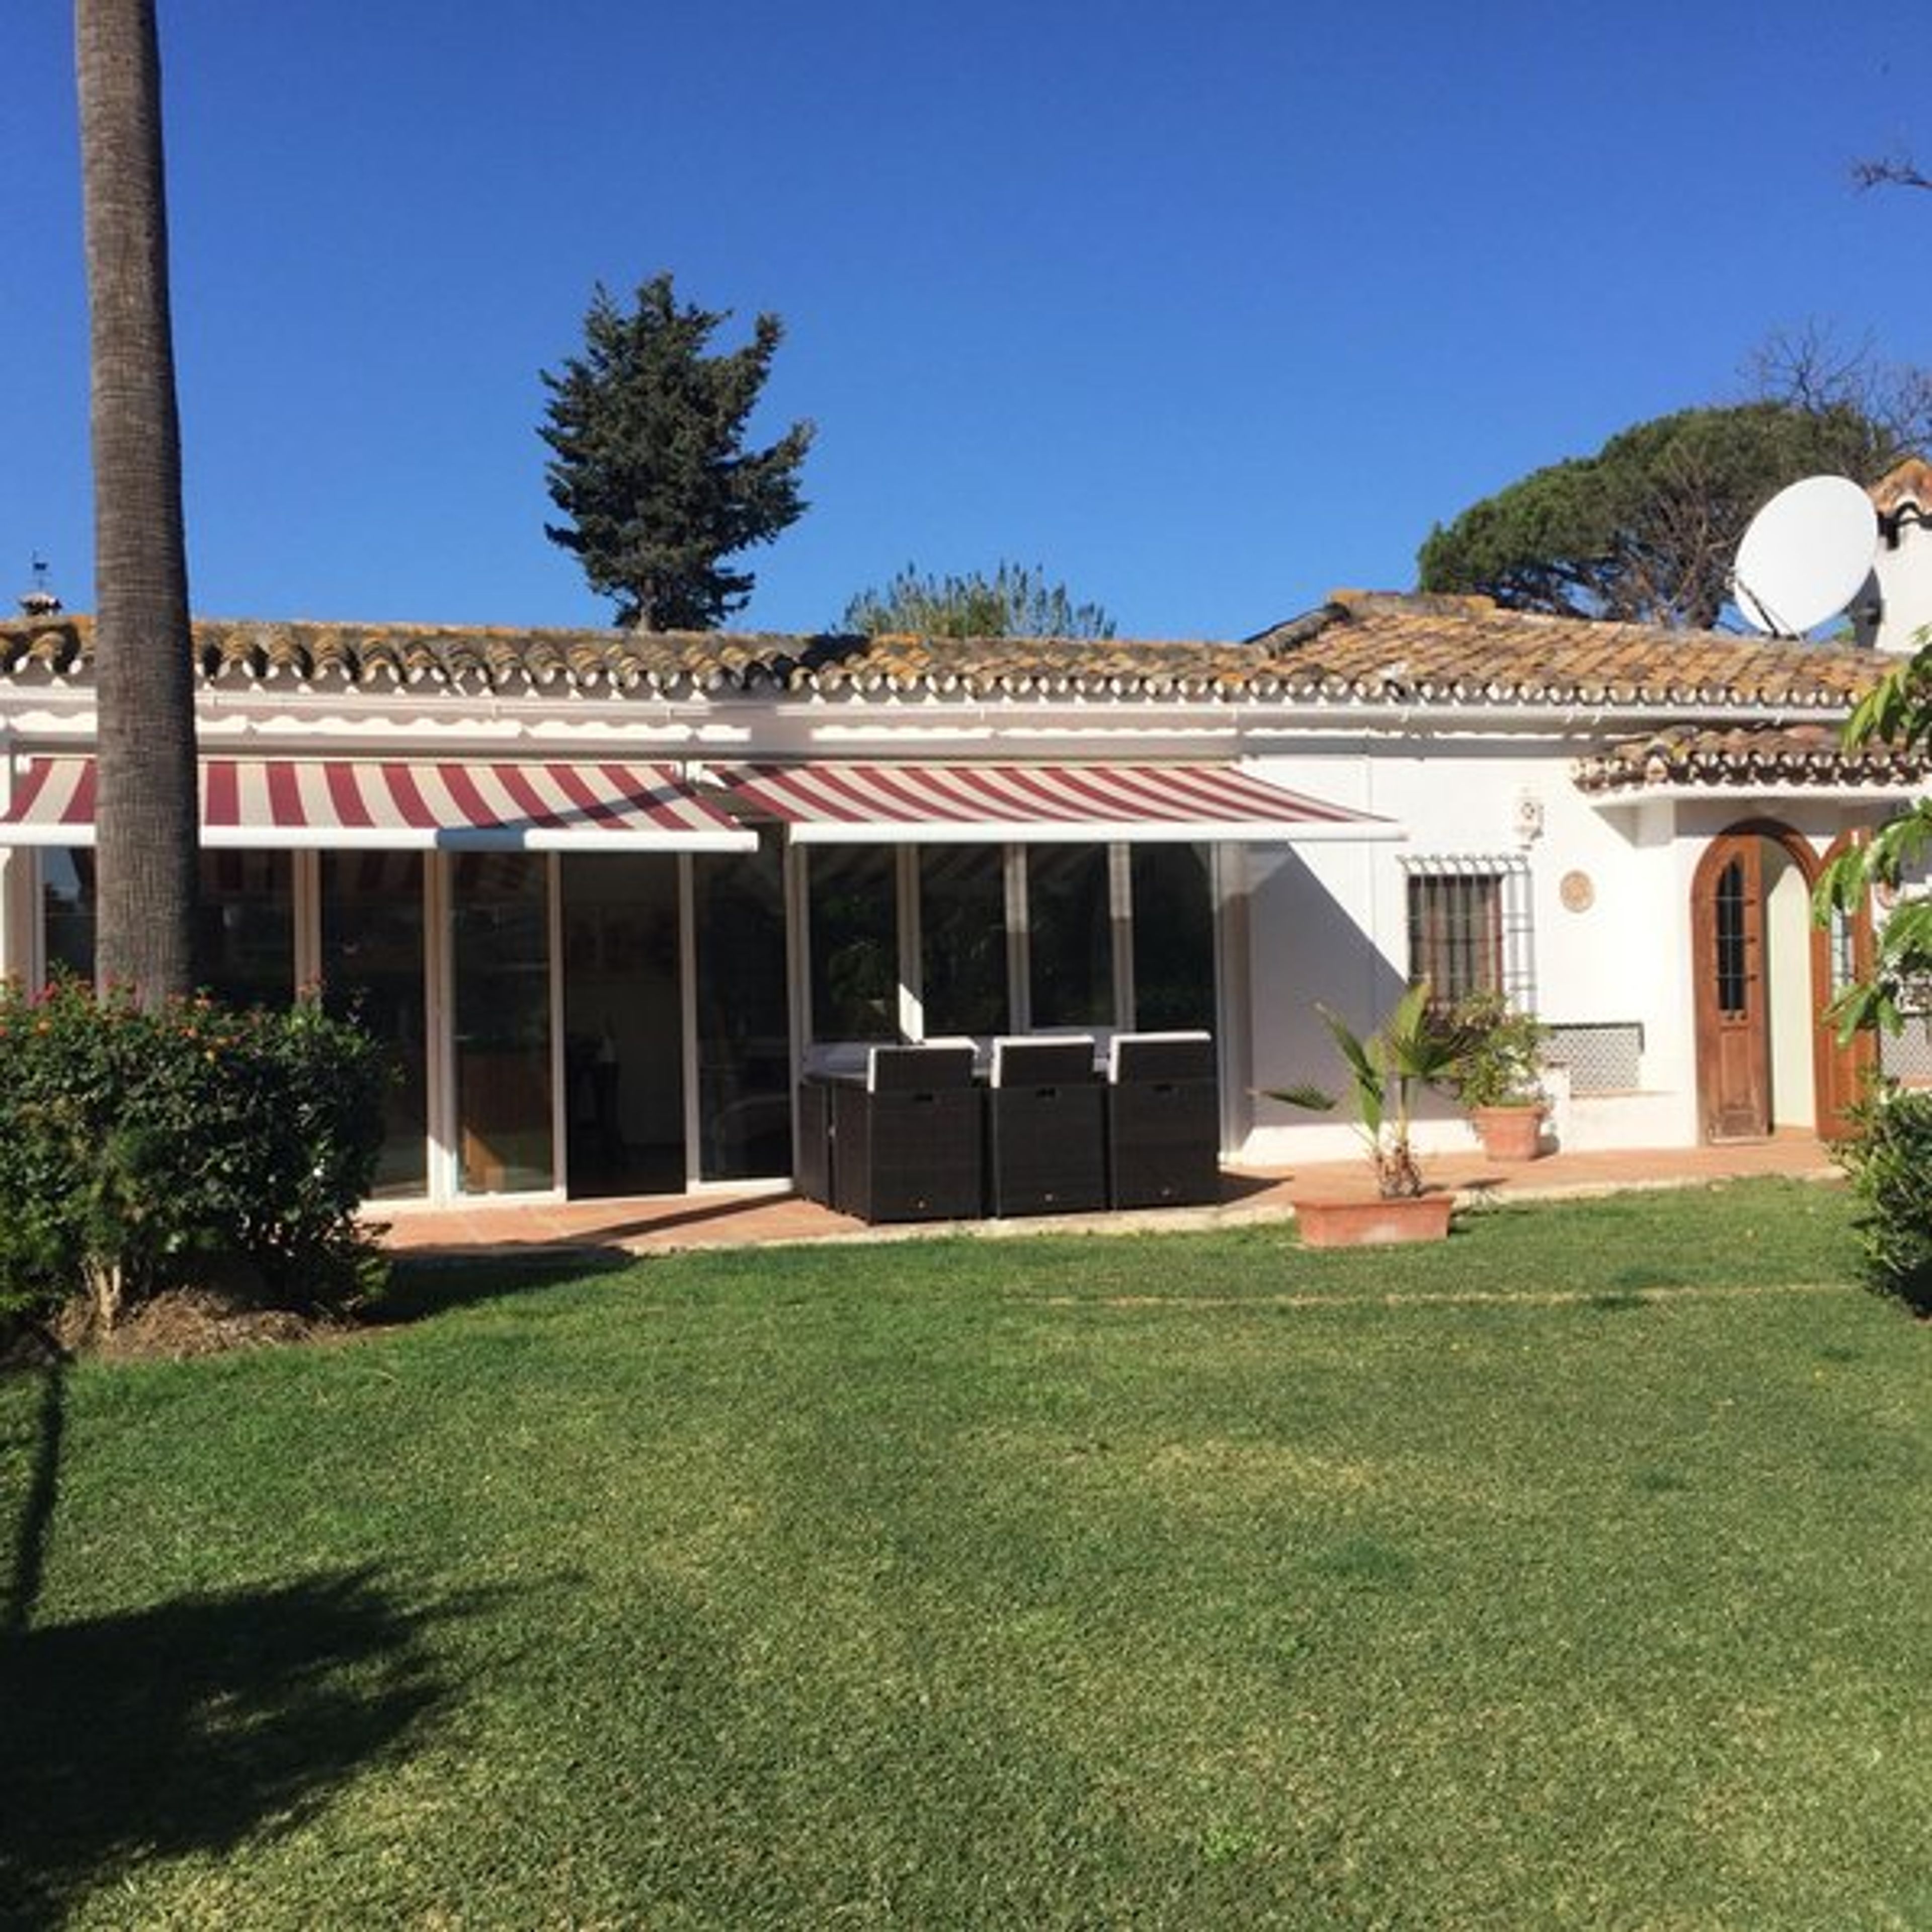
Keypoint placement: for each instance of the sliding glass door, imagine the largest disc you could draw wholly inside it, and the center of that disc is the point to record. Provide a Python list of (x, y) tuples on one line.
[(245, 928), (372, 937), (1070, 935), (962, 929), (742, 1013), (500, 987), (623, 1032), (1173, 890)]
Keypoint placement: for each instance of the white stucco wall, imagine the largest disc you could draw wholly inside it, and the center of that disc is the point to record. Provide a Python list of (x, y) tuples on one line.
[(1789, 991), (1331, 922), (1902, 580)]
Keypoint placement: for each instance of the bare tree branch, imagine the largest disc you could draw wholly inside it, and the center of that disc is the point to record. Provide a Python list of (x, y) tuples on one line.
[(1895, 171)]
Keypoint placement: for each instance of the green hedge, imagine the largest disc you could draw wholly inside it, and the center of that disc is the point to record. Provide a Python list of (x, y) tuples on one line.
[(1888, 1160), (144, 1151)]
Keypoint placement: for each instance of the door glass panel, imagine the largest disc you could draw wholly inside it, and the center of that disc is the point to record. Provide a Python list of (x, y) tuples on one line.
[(1174, 937), (855, 977), (744, 1022), (1070, 923), (372, 972), (1732, 995), (245, 928), (1843, 952), (499, 936), (962, 912), (623, 1024)]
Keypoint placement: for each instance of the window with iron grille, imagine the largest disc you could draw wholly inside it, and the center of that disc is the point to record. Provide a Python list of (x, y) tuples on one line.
[(1469, 928)]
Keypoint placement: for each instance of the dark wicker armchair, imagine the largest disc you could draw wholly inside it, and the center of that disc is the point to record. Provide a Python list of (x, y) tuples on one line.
[(906, 1143), (1046, 1148), (1163, 1120)]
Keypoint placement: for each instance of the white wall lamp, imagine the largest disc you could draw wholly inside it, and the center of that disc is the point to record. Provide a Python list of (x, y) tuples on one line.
[(1528, 818)]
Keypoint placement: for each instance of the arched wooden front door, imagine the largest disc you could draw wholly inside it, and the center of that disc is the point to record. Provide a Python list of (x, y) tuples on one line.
[(1727, 937), (1846, 945), (1732, 976)]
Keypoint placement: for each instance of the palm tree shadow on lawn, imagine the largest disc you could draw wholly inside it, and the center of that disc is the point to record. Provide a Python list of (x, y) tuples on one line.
[(191, 1726)]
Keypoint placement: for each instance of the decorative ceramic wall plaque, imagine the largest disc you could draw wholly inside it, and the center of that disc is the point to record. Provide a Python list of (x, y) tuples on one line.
[(1579, 894)]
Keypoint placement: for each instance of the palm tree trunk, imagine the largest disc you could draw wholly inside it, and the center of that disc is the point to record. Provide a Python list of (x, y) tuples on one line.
[(145, 812)]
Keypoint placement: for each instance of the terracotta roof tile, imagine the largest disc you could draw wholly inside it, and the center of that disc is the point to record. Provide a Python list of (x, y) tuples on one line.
[(1909, 484), (1747, 757), (1358, 648), (1457, 650)]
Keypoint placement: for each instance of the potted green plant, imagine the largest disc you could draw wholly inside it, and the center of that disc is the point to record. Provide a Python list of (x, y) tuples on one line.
[(1498, 1074), (1386, 1068)]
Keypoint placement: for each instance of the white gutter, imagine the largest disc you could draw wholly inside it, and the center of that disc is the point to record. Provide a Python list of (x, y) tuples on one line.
[(728, 718), (1094, 832)]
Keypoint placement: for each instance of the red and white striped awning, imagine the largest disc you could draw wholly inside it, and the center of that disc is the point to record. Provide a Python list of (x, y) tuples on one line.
[(401, 804), (950, 804)]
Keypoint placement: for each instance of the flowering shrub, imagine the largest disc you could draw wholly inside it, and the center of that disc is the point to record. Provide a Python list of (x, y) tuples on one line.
[(1499, 1052), (139, 1150)]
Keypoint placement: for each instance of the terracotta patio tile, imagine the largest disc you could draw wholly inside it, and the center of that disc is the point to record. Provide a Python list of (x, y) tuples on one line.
[(663, 1223)]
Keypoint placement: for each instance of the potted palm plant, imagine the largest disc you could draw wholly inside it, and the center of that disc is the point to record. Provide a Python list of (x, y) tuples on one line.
[(1387, 1069), (1498, 1073)]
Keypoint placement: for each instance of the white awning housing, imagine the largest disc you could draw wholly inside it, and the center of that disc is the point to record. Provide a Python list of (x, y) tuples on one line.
[(402, 805), (835, 804)]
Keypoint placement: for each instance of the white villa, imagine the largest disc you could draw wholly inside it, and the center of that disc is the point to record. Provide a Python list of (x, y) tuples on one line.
[(608, 894)]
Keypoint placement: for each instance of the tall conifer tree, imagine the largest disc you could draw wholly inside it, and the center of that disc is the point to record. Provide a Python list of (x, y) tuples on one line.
[(646, 431)]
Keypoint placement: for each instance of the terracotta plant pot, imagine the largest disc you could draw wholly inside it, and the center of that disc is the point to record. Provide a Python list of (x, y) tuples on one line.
[(1366, 1221), (1509, 1133)]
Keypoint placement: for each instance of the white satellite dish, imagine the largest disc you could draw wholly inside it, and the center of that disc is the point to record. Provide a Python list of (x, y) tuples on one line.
[(1805, 555)]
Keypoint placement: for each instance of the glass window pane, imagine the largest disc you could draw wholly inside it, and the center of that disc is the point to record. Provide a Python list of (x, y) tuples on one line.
[(855, 980), (67, 905), (1843, 950), (1173, 936), (1733, 989), (245, 928), (962, 912), (744, 1023), (1456, 935), (372, 971), (244, 922), (1071, 941), (499, 938)]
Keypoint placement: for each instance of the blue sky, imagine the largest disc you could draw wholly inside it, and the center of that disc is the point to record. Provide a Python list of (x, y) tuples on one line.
[(1206, 308)]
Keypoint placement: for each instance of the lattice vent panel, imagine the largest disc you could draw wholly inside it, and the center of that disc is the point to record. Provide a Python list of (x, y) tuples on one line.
[(1603, 1057)]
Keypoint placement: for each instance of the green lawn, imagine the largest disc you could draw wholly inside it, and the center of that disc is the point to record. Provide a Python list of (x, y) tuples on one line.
[(1576, 1573)]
